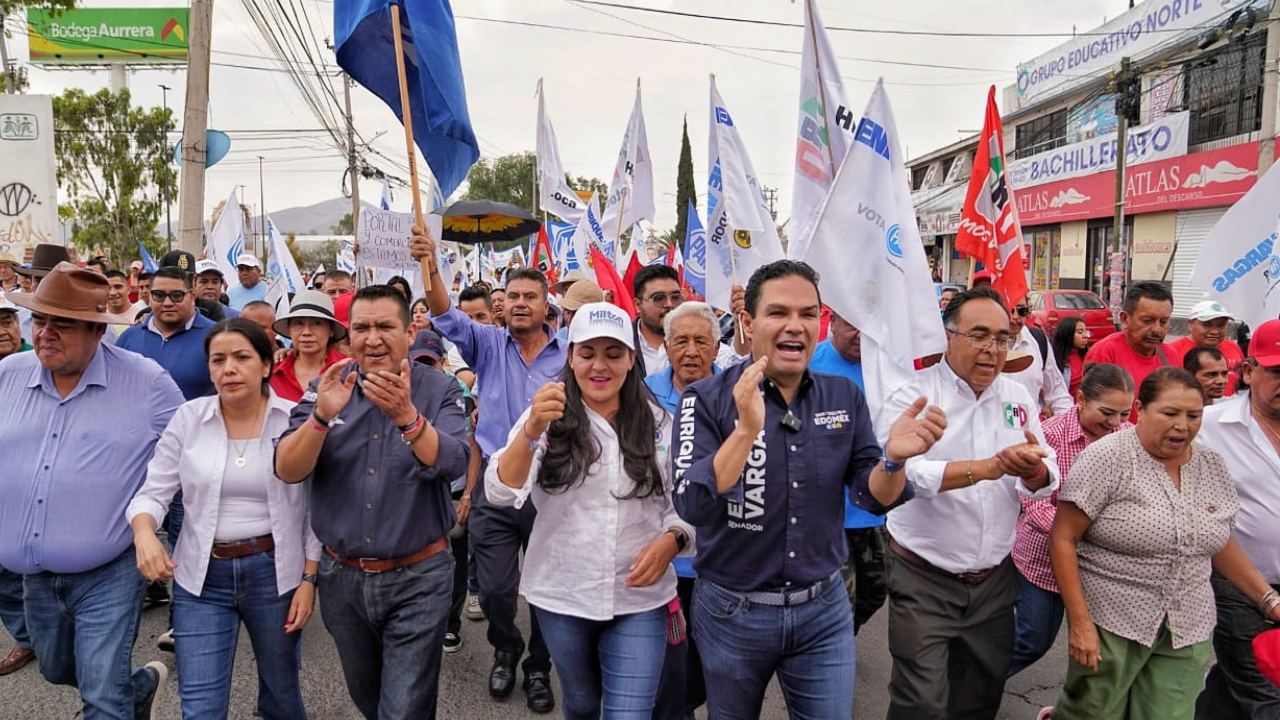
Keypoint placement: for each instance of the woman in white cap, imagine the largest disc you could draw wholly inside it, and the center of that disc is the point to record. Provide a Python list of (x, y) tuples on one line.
[(314, 330), (591, 453)]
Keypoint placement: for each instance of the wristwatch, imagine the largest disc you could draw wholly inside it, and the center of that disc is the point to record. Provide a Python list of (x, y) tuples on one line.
[(682, 540), (311, 578)]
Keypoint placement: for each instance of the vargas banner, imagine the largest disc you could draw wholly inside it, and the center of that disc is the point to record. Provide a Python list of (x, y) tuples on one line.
[(1164, 138)]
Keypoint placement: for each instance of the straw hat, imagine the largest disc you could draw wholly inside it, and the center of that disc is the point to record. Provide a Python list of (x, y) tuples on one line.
[(310, 304)]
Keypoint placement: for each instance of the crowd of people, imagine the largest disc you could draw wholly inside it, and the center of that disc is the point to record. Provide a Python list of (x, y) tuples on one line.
[(691, 507)]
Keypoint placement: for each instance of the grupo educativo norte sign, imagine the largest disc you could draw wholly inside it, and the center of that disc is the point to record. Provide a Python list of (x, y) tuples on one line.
[(108, 35)]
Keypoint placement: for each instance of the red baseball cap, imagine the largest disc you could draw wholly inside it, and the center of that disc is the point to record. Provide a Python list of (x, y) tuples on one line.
[(1264, 345), (1266, 651), (983, 275)]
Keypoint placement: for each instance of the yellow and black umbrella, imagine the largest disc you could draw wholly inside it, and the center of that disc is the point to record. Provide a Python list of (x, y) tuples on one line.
[(486, 221)]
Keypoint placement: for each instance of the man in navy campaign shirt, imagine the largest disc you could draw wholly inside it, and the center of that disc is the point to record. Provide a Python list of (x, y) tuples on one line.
[(765, 453)]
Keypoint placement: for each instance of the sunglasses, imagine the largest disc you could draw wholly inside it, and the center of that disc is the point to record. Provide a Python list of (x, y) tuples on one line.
[(174, 295), (1022, 311)]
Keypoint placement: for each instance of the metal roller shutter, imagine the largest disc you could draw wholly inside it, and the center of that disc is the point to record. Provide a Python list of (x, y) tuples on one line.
[(1192, 228)]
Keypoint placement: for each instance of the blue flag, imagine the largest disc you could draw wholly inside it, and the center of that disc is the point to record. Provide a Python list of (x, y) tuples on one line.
[(437, 96), (148, 263), (695, 253)]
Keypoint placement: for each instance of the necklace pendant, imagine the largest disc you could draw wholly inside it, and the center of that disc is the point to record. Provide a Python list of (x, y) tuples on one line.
[(240, 462)]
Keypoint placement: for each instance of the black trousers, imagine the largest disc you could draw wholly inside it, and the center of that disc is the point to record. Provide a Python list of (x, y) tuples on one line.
[(498, 535), (951, 642), (1235, 690)]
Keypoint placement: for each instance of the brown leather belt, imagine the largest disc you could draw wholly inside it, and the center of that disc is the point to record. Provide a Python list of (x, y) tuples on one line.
[(381, 565), (968, 578), (242, 548)]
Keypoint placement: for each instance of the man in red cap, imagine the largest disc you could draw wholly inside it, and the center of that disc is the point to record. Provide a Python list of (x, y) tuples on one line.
[(1245, 430)]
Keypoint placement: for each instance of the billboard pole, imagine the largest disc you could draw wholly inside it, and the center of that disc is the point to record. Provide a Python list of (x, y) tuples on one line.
[(194, 125)]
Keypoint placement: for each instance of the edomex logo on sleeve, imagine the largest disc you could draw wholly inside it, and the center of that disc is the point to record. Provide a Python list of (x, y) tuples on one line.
[(1015, 415)]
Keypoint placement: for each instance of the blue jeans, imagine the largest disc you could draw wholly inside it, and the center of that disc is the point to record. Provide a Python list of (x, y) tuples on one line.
[(83, 626), (1037, 618), (12, 615), (207, 626), (809, 646), (614, 664), (389, 630)]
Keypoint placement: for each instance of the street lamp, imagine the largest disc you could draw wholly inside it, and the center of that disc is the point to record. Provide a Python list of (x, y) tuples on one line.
[(168, 219)]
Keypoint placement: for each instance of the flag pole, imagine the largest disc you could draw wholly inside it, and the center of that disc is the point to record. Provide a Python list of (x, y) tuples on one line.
[(733, 280), (406, 118)]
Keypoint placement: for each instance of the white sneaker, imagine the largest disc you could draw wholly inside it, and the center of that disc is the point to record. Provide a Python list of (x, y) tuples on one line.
[(165, 641), (148, 709), (473, 608)]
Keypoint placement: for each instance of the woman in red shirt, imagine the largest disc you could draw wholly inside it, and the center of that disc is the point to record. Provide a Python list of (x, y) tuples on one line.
[(311, 325)]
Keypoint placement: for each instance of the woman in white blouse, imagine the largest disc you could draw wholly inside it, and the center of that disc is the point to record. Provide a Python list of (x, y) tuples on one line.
[(247, 553), (591, 454)]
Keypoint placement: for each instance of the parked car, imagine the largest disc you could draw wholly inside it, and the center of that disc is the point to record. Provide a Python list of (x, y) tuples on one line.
[(1049, 307)]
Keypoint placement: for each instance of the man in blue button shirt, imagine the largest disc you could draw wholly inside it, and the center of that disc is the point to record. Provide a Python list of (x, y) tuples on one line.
[(841, 354), (511, 362), (765, 453), (73, 461), (174, 333)]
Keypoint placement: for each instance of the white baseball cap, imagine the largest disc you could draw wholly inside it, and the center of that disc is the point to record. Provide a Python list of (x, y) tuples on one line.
[(602, 320), (7, 305), (1206, 310), (250, 260), (204, 266)]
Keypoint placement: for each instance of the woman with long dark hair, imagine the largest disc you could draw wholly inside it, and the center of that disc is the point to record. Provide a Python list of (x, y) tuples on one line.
[(591, 453), (1070, 341), (246, 554)]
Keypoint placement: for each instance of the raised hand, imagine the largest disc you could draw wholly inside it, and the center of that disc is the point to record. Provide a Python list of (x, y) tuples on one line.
[(391, 393), (547, 407), (334, 392), (749, 398), (422, 245), (913, 434)]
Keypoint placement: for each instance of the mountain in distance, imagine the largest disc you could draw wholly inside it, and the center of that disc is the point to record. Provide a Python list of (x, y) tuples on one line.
[(317, 219)]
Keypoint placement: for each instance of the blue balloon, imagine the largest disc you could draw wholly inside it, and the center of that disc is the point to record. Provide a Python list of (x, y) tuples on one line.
[(216, 145)]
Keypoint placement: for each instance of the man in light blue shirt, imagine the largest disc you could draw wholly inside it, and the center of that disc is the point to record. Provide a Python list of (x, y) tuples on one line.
[(250, 287), (841, 354), (79, 424)]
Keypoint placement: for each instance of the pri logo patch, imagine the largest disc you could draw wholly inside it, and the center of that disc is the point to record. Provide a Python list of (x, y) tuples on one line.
[(1015, 415)]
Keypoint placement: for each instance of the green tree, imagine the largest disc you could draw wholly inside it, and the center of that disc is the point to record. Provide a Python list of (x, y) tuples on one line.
[(509, 179), (316, 254), (113, 165), (685, 188), (345, 226)]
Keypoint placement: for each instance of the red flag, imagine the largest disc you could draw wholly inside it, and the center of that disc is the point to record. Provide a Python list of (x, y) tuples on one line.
[(542, 258), (989, 228), (632, 266), (608, 280)]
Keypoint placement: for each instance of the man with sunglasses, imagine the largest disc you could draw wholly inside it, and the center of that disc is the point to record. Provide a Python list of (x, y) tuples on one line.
[(657, 292), (174, 334), (952, 585), (1041, 378)]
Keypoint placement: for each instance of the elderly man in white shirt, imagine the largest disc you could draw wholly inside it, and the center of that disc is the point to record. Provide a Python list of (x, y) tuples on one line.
[(1041, 378), (1245, 431), (951, 582)]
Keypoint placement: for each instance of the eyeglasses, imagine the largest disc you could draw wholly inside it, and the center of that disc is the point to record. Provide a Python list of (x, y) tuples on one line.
[(982, 341), (1022, 311), (661, 298), (174, 295)]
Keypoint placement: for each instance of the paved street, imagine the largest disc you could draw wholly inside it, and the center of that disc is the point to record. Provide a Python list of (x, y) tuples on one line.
[(463, 692)]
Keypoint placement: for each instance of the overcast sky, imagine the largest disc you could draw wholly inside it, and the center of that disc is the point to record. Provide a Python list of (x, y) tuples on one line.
[(590, 80)]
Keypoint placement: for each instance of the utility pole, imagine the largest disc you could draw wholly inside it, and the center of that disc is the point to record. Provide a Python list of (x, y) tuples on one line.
[(1267, 143), (1127, 106), (194, 126), (262, 209), (168, 204), (352, 165)]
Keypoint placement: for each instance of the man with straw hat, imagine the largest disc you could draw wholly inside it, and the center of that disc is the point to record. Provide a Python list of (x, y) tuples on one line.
[(77, 460)]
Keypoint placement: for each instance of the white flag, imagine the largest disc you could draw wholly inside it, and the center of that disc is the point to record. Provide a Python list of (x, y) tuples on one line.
[(866, 246), (346, 259), (825, 131), (631, 189), (589, 230), (281, 265), (1239, 265), (385, 201), (226, 242), (554, 193), (741, 233)]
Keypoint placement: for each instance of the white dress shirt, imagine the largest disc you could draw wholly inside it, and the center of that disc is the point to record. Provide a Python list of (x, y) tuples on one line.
[(1230, 429), (1042, 378), (972, 528), (585, 538), (191, 455)]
